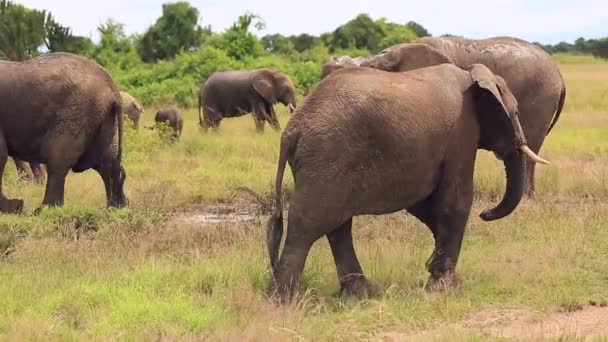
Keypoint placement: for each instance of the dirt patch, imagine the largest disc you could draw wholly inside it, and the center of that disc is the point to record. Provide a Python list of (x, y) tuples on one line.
[(587, 322), (216, 214), (517, 324)]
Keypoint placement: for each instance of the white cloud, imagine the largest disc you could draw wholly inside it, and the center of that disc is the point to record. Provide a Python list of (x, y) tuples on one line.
[(542, 20)]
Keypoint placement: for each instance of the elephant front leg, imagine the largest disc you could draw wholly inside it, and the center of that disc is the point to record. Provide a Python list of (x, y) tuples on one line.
[(6, 205), (352, 280), (273, 120), (55, 187), (259, 124)]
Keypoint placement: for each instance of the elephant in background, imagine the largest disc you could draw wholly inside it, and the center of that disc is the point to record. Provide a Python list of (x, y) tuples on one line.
[(172, 117), (71, 120), (369, 142), (532, 75), (337, 63), (132, 108), (30, 171), (234, 93)]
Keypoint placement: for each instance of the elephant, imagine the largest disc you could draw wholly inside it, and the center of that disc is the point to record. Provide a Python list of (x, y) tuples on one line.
[(63, 111), (370, 142), (233, 93), (532, 75), (30, 171), (172, 117), (337, 63), (132, 108)]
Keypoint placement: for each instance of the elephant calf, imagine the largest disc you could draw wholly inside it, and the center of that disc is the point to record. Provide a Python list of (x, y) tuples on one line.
[(172, 117), (233, 93), (63, 111), (132, 108), (370, 142)]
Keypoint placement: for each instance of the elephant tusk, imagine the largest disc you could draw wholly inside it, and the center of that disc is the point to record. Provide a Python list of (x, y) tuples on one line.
[(291, 107), (527, 151)]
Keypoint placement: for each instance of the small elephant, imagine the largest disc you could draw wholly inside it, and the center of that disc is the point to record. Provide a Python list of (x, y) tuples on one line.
[(337, 63), (369, 142), (132, 108), (63, 111), (30, 171), (172, 117), (234, 93), (532, 75)]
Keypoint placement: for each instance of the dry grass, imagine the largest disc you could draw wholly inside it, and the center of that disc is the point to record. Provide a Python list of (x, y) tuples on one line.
[(82, 272)]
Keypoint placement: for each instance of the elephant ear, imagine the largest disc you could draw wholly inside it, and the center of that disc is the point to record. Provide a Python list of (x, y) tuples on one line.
[(263, 83), (485, 79)]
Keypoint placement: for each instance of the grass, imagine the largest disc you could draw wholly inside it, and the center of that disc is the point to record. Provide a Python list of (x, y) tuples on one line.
[(83, 272)]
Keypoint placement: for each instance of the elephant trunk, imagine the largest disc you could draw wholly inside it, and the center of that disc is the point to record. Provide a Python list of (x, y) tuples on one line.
[(514, 163), (514, 167)]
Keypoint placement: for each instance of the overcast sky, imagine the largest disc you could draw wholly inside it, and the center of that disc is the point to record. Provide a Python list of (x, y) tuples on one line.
[(547, 21)]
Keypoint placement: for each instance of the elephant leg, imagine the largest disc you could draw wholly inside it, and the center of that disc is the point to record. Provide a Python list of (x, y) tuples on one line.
[(38, 172), (6, 205), (529, 186), (23, 171), (55, 186), (259, 124), (446, 213), (293, 258), (352, 280), (273, 120), (113, 176)]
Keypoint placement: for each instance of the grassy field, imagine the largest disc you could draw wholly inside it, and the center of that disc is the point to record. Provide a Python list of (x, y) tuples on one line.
[(83, 272)]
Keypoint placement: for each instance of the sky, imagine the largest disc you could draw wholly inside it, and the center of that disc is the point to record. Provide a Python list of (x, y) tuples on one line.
[(546, 21)]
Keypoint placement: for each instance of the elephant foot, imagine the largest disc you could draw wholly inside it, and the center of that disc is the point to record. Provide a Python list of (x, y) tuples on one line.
[(443, 282), (358, 286), (11, 205)]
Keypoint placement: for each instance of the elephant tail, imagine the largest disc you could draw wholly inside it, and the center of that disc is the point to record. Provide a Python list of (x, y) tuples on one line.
[(200, 110), (116, 109), (560, 106), (274, 232)]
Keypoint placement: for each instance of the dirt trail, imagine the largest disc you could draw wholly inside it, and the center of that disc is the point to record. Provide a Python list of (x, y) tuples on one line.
[(519, 324)]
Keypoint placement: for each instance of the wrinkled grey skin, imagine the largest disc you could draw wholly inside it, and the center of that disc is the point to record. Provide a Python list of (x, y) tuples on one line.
[(369, 142), (341, 62), (173, 118), (234, 93), (72, 120), (132, 108), (532, 75), (30, 171)]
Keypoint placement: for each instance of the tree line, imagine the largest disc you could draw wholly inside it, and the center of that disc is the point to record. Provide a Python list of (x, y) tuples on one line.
[(170, 60)]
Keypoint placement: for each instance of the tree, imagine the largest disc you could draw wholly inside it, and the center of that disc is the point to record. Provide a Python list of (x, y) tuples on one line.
[(22, 31), (176, 30), (360, 33), (303, 42), (277, 43), (238, 41), (418, 29), (115, 49), (394, 34)]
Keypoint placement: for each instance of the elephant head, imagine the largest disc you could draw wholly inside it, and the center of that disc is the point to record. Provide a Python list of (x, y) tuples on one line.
[(274, 86), (502, 135), (405, 57)]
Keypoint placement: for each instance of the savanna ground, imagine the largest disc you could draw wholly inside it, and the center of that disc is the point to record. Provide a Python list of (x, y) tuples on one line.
[(148, 272)]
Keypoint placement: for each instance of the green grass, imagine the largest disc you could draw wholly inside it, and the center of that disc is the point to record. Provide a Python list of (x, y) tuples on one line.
[(84, 272)]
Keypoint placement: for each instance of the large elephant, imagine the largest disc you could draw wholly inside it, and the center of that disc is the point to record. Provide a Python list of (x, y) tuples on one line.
[(235, 93), (132, 108), (531, 73), (337, 63), (369, 142), (63, 111), (172, 117)]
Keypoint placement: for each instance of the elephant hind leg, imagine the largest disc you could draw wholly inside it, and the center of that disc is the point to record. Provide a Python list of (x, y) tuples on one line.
[(38, 171), (6, 205), (113, 176), (300, 237), (350, 274)]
